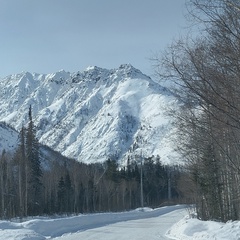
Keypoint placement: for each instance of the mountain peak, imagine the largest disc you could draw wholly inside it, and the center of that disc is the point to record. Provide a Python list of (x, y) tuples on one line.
[(59, 77), (127, 66), (93, 68), (130, 71)]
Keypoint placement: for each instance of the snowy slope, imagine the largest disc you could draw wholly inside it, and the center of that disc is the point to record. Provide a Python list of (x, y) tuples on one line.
[(92, 115), (8, 138)]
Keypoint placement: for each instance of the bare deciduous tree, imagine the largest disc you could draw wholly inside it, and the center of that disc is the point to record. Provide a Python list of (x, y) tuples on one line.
[(206, 72)]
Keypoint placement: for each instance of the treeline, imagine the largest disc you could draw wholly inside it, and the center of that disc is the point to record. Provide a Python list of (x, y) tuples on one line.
[(206, 71), (79, 188), (31, 185)]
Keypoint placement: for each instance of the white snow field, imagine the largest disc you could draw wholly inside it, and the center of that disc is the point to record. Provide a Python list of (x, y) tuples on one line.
[(142, 224)]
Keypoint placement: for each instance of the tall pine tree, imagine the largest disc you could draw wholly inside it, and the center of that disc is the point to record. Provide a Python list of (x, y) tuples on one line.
[(34, 168), (20, 163)]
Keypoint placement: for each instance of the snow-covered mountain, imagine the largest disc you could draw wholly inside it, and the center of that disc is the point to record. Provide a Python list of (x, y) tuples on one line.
[(91, 115)]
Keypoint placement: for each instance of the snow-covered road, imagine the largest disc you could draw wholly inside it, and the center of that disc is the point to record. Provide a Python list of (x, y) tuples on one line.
[(149, 224), (153, 228), (138, 224)]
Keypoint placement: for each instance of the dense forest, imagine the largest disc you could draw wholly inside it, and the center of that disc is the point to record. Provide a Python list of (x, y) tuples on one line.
[(31, 186)]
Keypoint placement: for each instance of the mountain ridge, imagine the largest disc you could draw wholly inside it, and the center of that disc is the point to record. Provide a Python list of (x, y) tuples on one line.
[(92, 115)]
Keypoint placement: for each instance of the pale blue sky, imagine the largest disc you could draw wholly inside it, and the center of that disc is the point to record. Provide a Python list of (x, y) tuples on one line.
[(45, 36)]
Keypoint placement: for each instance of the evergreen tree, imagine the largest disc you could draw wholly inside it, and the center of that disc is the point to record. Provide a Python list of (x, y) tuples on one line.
[(69, 193), (2, 183), (61, 194), (34, 167), (20, 163)]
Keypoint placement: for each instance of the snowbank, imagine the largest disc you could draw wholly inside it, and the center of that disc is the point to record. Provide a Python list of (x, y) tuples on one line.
[(194, 229)]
